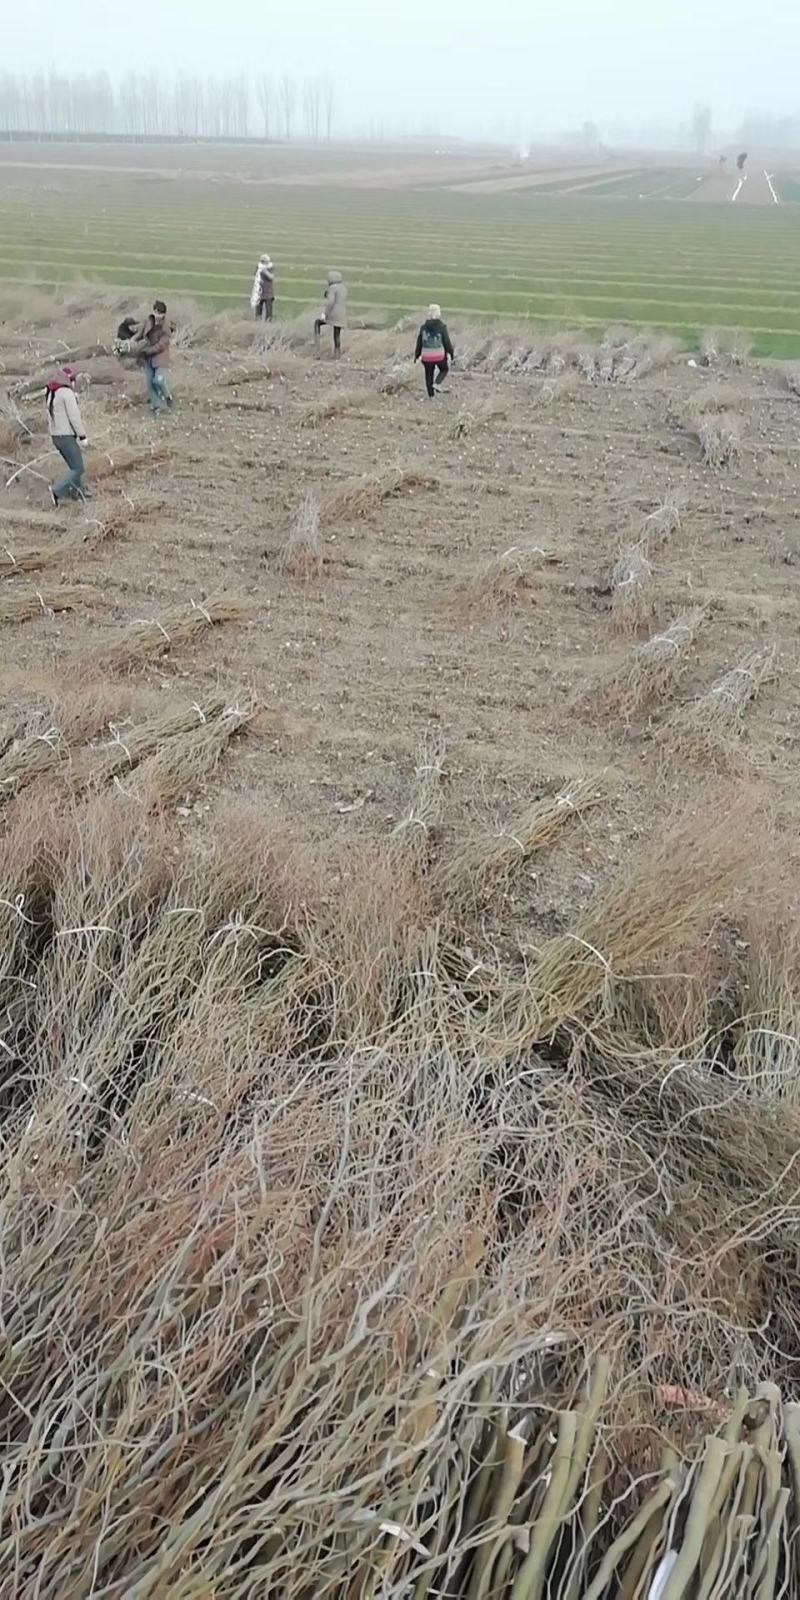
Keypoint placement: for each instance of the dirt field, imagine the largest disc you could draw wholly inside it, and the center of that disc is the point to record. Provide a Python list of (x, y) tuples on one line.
[(401, 986), (396, 637)]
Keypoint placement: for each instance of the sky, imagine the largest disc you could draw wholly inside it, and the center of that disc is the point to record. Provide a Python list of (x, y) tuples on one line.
[(457, 66)]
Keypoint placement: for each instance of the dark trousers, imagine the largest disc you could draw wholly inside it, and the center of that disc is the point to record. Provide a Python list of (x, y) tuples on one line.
[(440, 368), (337, 335), (265, 309), (71, 485)]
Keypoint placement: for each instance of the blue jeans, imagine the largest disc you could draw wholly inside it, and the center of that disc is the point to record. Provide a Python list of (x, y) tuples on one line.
[(71, 483), (157, 385)]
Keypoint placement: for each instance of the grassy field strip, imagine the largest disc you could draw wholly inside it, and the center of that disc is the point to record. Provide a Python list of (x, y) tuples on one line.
[(293, 266)]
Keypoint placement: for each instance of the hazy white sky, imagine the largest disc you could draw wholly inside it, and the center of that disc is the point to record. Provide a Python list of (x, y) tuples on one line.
[(465, 65)]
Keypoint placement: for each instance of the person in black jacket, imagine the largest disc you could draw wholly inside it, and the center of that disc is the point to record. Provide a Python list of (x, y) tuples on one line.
[(435, 347)]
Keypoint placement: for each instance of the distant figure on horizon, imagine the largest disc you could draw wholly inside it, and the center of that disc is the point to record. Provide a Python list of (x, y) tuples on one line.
[(152, 350), (740, 160), (262, 294), (435, 347), (334, 312), (67, 433)]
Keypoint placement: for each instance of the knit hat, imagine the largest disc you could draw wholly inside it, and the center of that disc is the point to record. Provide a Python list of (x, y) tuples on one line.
[(434, 311), (265, 261)]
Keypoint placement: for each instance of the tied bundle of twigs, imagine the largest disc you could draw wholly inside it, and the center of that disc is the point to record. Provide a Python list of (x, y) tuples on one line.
[(361, 496), (336, 405), (631, 591), (44, 601), (652, 669), (510, 574), (180, 767), (157, 636), (476, 870), (301, 553), (192, 728), (711, 726)]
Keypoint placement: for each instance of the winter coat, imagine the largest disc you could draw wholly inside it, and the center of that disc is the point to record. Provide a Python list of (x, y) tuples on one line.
[(433, 341), (64, 413), (155, 343), (335, 309)]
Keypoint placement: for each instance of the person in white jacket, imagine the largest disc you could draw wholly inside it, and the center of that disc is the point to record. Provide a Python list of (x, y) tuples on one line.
[(262, 295), (68, 435)]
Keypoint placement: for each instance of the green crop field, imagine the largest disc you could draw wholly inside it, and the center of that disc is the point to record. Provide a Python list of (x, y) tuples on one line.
[(580, 260)]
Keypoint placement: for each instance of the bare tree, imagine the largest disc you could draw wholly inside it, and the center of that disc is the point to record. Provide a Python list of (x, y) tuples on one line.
[(312, 107), (265, 96), (701, 128), (328, 100), (288, 101)]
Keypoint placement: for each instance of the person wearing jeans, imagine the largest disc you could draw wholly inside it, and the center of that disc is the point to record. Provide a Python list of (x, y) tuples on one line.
[(67, 433), (435, 347), (152, 351)]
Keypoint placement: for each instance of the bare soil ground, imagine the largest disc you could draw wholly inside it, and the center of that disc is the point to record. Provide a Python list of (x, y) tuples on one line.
[(395, 633)]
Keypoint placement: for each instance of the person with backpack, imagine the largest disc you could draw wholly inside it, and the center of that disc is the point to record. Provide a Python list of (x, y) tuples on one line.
[(262, 295), (67, 433), (152, 350), (435, 347), (334, 312)]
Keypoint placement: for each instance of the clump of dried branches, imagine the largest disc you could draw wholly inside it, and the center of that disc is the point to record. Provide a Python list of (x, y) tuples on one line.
[(396, 378), (473, 421), (157, 636), (710, 726), (720, 439), (631, 591), (510, 574), (18, 606), (660, 525), (301, 553), (335, 405), (652, 669), (102, 465), (477, 869), (347, 1170), (185, 760), (360, 496)]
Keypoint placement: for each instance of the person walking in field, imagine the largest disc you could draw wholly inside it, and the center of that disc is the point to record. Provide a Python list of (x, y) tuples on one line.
[(153, 354), (65, 425), (435, 347), (262, 296), (334, 312)]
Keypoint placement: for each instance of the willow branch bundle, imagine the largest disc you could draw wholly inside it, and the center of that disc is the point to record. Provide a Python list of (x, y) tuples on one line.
[(359, 497), (468, 422), (335, 405), (476, 870), (672, 893), (413, 835), (126, 459), (397, 378), (509, 574), (652, 669), (186, 760), (720, 437), (711, 725), (301, 554), (631, 591), (660, 526), (17, 607), (126, 747), (149, 637)]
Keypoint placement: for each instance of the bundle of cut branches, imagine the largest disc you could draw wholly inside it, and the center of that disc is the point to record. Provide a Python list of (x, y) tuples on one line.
[(652, 669), (361, 496), (146, 637), (19, 606), (631, 591), (711, 725), (476, 870)]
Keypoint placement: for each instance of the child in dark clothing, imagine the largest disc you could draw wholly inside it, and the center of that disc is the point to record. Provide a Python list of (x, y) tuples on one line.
[(435, 347)]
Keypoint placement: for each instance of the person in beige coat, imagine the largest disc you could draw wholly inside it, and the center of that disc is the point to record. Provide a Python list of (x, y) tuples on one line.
[(67, 433), (334, 312)]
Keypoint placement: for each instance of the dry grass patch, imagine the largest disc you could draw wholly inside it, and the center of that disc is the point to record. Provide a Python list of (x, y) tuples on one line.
[(156, 636)]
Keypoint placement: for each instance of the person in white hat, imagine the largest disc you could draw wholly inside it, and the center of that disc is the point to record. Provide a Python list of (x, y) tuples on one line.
[(435, 347), (262, 297)]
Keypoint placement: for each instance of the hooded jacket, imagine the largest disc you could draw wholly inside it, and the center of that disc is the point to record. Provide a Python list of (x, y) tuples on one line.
[(155, 342), (335, 309), (63, 412), (433, 341)]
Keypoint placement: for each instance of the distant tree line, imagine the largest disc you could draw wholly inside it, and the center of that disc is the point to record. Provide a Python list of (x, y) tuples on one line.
[(143, 106)]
